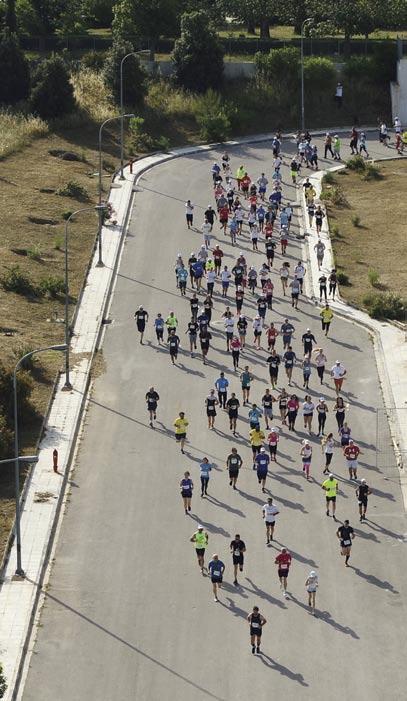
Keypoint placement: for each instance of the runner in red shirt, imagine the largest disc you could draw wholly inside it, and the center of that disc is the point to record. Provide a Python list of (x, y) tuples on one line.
[(223, 217), (351, 453), (217, 258), (283, 560), (245, 184), (268, 230), (268, 290), (272, 334), (272, 440)]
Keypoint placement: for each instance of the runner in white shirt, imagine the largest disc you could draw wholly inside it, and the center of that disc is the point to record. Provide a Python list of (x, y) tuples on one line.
[(206, 231), (257, 329), (299, 272), (230, 330), (225, 279), (311, 585), (189, 213), (239, 214), (320, 362), (270, 512), (338, 372)]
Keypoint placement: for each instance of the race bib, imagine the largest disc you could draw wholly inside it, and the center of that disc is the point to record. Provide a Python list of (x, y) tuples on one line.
[(346, 543)]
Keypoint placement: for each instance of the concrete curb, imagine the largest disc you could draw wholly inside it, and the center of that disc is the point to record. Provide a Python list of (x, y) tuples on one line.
[(386, 336)]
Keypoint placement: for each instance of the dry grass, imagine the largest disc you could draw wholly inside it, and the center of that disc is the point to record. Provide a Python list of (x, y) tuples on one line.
[(92, 95), (18, 130), (379, 242)]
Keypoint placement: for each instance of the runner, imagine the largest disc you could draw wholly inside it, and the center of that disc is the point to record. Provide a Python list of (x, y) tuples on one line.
[(262, 461), (171, 323), (216, 569), (299, 272), (232, 406), (338, 372), (204, 339), (272, 334), (282, 405), (192, 332), (328, 445), (268, 291), (345, 433), (173, 345), (239, 296), (345, 535), (319, 249), (210, 215), (246, 379), (257, 330), (159, 328), (200, 539), (256, 437), (252, 279), (308, 407), (270, 512), (283, 560), (191, 260), (289, 358), (181, 425), (237, 548), (255, 414), (273, 361), (306, 370), (320, 362), (340, 411), (287, 330), (283, 240), (267, 404), (319, 217), (322, 280), (189, 212), (235, 346), (205, 469), (362, 493), (306, 457), (351, 453), (311, 585), (292, 411), (262, 306), (225, 280), (242, 330), (222, 385), (330, 487), (308, 339), (186, 486), (197, 271), (256, 622), (229, 325), (322, 410), (152, 398), (333, 281), (326, 315), (211, 403), (295, 291), (233, 463), (272, 440), (284, 273), (141, 317)]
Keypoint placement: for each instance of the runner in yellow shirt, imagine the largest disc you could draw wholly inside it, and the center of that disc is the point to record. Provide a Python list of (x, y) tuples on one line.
[(330, 487), (326, 315), (180, 425), (257, 437)]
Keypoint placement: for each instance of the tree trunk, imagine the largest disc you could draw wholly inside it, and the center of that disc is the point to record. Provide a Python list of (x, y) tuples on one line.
[(10, 20), (264, 29), (250, 28)]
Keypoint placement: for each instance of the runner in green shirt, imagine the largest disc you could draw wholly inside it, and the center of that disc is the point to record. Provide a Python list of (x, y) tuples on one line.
[(200, 540), (330, 487)]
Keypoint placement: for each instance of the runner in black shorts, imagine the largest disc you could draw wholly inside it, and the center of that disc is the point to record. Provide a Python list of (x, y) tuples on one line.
[(345, 534), (173, 345), (141, 317), (256, 622), (232, 406), (152, 398), (362, 493), (237, 548), (233, 463)]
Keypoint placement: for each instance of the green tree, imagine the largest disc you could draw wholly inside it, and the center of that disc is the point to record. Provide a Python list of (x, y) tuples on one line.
[(14, 71), (350, 16), (134, 78), (10, 21), (280, 68), (145, 19), (52, 95), (198, 53), (261, 13), (99, 12)]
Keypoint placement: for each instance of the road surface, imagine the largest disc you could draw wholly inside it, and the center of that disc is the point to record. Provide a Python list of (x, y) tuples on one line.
[(127, 613)]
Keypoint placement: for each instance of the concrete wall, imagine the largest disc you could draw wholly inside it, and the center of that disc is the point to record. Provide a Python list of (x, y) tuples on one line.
[(232, 69), (398, 91)]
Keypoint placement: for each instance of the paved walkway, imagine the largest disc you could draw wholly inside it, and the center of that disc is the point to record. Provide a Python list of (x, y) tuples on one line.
[(17, 597)]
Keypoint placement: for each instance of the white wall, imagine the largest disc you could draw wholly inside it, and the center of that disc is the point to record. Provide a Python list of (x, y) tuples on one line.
[(398, 92), (232, 69)]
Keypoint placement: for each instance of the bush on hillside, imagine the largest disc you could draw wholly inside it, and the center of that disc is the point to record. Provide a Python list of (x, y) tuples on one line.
[(52, 95), (134, 77), (280, 68), (94, 60), (15, 280), (213, 117), (14, 71), (385, 306), (319, 72), (198, 54), (356, 163)]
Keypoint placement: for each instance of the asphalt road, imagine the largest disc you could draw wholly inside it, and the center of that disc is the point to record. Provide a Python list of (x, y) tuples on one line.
[(127, 613)]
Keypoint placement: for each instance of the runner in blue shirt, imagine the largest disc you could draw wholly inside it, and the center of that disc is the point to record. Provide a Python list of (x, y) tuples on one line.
[(255, 414), (222, 385), (205, 468), (216, 569), (198, 271), (182, 276), (261, 213), (159, 328), (262, 461)]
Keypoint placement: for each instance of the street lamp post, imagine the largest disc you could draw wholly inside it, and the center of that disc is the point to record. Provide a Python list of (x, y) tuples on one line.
[(309, 20), (17, 459), (100, 263), (67, 386), (132, 53)]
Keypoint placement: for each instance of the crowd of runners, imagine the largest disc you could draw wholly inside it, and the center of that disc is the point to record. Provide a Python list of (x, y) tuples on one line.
[(248, 206)]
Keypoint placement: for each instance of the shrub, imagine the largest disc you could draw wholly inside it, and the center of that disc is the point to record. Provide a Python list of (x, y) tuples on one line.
[(14, 71), (52, 95), (372, 172), (280, 67), (198, 53), (59, 243), (18, 130), (94, 60), (328, 178), (355, 219), (318, 71), (6, 447), (22, 350), (140, 140), (14, 280), (67, 214), (334, 230), (356, 163), (343, 279), (52, 285), (385, 306), (74, 190), (335, 195), (373, 277), (24, 388), (212, 117), (134, 78), (34, 253), (359, 68)]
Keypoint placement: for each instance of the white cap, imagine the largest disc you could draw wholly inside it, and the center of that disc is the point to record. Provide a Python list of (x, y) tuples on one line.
[(337, 362), (363, 481), (200, 528), (330, 475), (262, 450), (312, 573), (322, 399)]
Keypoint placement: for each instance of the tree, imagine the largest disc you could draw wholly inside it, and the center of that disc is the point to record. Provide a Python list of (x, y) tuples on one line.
[(350, 16), (145, 19), (10, 21), (14, 71), (52, 95), (198, 53), (99, 12), (262, 13), (134, 78)]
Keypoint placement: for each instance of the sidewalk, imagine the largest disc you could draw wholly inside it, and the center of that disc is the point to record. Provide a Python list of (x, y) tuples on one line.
[(390, 343)]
